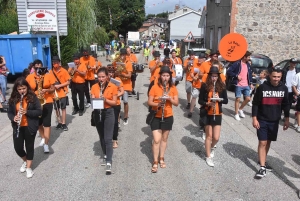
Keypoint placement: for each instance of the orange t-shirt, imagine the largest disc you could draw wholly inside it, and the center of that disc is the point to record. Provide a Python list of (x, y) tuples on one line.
[(89, 62), (210, 110), (223, 78), (196, 84), (110, 91), (119, 88), (188, 71), (156, 92), (132, 58), (156, 74), (24, 121), (151, 65), (176, 61), (49, 80), (205, 66), (127, 84), (78, 78), (63, 76)]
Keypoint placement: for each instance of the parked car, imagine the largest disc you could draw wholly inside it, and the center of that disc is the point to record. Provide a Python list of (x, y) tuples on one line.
[(259, 62), (197, 52), (283, 65)]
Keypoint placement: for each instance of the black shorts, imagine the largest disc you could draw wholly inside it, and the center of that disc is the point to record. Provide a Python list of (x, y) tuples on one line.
[(133, 77), (166, 125), (61, 103), (211, 121), (45, 120), (268, 130), (298, 104)]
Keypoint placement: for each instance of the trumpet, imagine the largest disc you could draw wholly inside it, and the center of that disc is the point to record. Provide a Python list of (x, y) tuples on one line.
[(20, 115), (40, 94), (163, 101), (73, 71)]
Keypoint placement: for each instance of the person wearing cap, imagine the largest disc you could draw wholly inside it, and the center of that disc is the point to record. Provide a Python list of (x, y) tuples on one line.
[(175, 60), (78, 85), (117, 108), (209, 62), (207, 54), (189, 63), (133, 60), (127, 84), (61, 99), (90, 63), (154, 64), (161, 98), (241, 74), (196, 74), (147, 53), (41, 75), (213, 88)]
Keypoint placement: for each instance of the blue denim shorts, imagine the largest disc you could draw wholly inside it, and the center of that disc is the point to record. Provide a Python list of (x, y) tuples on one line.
[(242, 90)]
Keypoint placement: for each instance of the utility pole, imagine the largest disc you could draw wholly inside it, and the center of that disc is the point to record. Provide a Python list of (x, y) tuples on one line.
[(110, 18)]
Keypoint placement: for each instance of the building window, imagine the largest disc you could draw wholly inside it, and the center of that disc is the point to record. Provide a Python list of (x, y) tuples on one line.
[(219, 34), (184, 10), (211, 36)]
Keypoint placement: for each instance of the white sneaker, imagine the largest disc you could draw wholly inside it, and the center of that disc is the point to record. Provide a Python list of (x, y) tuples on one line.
[(210, 162), (42, 142), (125, 121), (237, 117), (29, 173), (23, 167), (46, 148), (212, 153), (242, 113), (87, 105), (298, 129), (249, 104), (295, 123), (203, 136)]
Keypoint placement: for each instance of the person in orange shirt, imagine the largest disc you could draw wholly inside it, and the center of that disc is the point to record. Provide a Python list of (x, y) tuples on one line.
[(219, 66), (42, 83), (61, 100), (208, 63), (105, 118), (117, 108), (98, 65), (154, 64), (189, 63), (196, 75), (175, 61), (213, 88), (133, 59), (27, 116), (161, 98), (90, 63), (78, 85), (126, 79)]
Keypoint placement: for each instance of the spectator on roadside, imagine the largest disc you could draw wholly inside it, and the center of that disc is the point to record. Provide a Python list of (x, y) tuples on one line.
[(3, 76), (26, 72), (241, 73), (30, 67), (167, 51)]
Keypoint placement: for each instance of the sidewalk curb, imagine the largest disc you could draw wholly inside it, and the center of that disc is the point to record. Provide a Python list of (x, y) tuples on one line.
[(5, 133), (250, 138)]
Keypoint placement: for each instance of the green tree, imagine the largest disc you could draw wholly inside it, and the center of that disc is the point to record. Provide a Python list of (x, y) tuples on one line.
[(162, 15), (149, 16), (8, 16)]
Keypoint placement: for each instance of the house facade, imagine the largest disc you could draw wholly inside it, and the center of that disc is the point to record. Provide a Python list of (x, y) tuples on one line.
[(271, 28)]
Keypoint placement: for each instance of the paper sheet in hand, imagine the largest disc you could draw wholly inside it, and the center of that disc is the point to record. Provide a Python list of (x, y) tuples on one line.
[(97, 103), (116, 82), (71, 65), (216, 99)]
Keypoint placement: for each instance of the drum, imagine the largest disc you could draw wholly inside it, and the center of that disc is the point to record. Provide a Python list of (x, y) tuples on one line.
[(179, 71), (139, 68)]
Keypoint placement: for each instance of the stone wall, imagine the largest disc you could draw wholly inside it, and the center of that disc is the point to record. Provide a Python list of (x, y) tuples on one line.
[(272, 27)]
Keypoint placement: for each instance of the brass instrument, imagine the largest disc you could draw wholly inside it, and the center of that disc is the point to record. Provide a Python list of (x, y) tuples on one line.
[(88, 65), (40, 95), (20, 115), (189, 65), (163, 101), (214, 109), (73, 70), (57, 99), (120, 66)]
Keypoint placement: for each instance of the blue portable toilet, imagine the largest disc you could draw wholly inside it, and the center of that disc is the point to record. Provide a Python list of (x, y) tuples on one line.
[(20, 50)]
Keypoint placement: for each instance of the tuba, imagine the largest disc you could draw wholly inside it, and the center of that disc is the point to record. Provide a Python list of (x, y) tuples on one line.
[(40, 95), (120, 66)]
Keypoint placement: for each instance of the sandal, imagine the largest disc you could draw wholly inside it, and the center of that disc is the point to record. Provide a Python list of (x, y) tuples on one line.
[(154, 167), (162, 162), (115, 144)]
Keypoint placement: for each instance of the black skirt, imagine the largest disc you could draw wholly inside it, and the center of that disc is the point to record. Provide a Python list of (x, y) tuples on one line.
[(211, 121), (158, 125)]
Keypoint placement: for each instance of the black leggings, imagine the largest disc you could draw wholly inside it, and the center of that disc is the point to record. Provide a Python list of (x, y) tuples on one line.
[(87, 89), (78, 88), (117, 110), (24, 135)]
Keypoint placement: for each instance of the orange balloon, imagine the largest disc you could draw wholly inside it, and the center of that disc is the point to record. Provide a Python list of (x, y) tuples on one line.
[(233, 46)]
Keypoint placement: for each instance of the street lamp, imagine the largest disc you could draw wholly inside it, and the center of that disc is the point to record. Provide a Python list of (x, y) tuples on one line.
[(217, 2)]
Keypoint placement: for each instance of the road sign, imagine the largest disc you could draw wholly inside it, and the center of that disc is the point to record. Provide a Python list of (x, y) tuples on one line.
[(189, 38), (41, 20)]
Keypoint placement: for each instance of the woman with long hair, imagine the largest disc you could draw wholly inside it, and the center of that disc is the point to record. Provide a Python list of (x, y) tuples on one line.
[(161, 98), (24, 111), (105, 118), (213, 88)]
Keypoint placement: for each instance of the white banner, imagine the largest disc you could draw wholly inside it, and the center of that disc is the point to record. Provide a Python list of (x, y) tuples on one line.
[(41, 20)]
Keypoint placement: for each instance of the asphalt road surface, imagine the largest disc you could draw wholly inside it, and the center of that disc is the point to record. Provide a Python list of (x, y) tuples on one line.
[(72, 170)]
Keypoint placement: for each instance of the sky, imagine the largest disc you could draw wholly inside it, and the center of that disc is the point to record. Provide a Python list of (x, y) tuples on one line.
[(159, 6)]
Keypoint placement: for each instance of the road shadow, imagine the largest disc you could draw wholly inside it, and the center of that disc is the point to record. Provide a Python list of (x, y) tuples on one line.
[(182, 104), (146, 145), (194, 130), (39, 155), (69, 118), (146, 85), (296, 159), (246, 155), (97, 149), (194, 146)]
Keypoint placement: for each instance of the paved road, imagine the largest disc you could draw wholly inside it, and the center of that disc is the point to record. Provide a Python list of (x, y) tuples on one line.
[(72, 171)]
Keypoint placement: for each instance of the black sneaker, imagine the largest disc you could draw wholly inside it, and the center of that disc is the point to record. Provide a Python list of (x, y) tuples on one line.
[(188, 106), (74, 112), (190, 115), (64, 126), (59, 126), (133, 92), (267, 166), (80, 113), (108, 169), (261, 172)]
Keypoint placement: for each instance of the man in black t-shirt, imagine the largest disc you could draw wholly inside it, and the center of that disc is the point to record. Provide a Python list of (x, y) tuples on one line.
[(167, 51)]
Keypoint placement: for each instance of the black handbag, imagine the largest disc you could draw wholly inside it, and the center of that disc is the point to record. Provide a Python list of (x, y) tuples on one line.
[(203, 117), (93, 118), (150, 116)]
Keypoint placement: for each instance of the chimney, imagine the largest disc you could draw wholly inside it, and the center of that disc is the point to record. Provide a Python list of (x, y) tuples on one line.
[(177, 7)]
